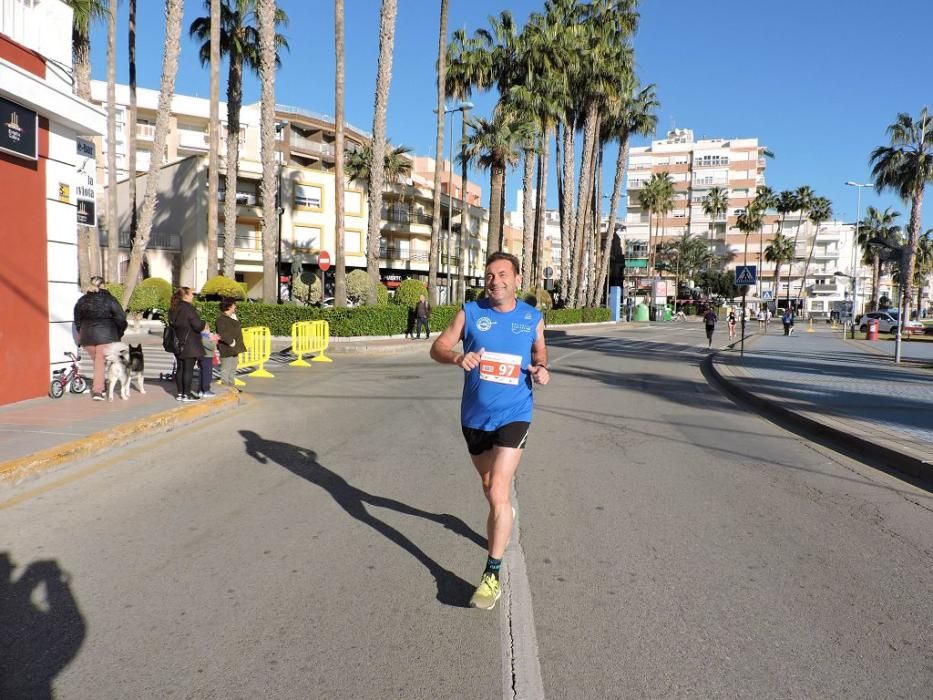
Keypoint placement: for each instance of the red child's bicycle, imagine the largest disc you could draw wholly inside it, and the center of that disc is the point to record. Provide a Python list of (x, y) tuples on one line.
[(70, 379)]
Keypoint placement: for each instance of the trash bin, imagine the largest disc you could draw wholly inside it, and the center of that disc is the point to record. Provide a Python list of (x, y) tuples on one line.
[(872, 333)]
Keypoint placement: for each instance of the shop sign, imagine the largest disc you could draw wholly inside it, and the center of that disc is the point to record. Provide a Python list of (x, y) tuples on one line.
[(85, 183), (19, 131)]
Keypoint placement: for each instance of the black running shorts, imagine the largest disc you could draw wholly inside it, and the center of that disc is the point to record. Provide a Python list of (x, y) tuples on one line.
[(508, 435)]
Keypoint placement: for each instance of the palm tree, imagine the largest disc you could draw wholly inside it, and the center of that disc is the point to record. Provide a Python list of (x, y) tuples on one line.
[(924, 266), (821, 209), (377, 174), (396, 163), (662, 198), (715, 204), (765, 199), (113, 224), (439, 154), (340, 258), (779, 251), (748, 222), (803, 197), (906, 166), (635, 116), (213, 159), (876, 227), (494, 146), (131, 121), (239, 42), (173, 15), (265, 18), (84, 14), (786, 203)]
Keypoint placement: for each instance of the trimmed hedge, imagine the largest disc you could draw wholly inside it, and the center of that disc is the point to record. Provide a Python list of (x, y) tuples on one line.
[(221, 286), (366, 320), (561, 317), (344, 323)]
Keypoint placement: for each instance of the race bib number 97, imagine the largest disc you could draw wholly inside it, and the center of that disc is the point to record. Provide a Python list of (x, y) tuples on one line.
[(500, 368)]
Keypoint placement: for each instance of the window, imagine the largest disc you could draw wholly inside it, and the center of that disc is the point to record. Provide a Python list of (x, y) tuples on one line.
[(308, 196), (353, 202), (306, 238), (353, 242)]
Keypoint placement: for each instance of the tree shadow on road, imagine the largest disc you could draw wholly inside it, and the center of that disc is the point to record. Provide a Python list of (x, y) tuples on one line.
[(41, 628), (451, 589)]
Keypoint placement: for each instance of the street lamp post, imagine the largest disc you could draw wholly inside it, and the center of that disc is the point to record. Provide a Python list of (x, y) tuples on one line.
[(463, 108), (858, 223)]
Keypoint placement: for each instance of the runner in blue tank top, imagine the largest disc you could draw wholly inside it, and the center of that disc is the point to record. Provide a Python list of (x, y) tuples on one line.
[(503, 356)]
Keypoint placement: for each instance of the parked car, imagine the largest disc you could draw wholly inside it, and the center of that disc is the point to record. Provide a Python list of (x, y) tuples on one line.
[(887, 322)]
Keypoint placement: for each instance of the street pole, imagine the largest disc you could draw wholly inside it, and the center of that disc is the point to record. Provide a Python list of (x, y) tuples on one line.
[(858, 224)]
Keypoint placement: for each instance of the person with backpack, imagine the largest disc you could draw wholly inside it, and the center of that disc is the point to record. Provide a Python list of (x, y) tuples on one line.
[(186, 326)]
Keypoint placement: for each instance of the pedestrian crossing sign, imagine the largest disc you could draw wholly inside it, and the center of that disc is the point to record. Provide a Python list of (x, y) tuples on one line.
[(746, 274), (767, 296)]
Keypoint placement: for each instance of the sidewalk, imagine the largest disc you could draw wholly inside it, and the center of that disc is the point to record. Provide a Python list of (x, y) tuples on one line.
[(849, 393)]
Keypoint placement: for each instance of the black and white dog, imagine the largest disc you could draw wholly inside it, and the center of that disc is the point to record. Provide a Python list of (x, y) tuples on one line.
[(124, 363)]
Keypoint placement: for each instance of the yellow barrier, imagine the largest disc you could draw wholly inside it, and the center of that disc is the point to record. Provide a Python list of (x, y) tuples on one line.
[(258, 343), (810, 329), (309, 337)]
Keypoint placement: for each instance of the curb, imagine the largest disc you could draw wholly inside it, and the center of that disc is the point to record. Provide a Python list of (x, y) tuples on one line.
[(886, 459), (17, 469)]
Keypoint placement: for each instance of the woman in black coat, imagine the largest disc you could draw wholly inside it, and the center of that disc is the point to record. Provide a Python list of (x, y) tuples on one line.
[(99, 321), (187, 325)]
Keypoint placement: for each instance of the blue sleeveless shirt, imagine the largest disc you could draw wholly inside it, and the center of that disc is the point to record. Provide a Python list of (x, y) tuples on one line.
[(498, 391)]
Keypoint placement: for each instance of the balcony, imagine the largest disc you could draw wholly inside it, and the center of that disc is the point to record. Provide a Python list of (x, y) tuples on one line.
[(243, 199), (720, 163), (246, 241), (306, 145), (703, 182), (399, 216), (192, 140), (158, 240), (145, 131)]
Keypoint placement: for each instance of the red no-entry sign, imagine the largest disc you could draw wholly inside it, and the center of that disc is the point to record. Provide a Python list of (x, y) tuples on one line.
[(323, 260)]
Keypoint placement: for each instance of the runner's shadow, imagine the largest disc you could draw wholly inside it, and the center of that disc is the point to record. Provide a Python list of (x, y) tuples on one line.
[(451, 589), (41, 628)]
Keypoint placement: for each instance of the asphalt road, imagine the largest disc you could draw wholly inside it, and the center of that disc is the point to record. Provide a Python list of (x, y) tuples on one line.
[(322, 541)]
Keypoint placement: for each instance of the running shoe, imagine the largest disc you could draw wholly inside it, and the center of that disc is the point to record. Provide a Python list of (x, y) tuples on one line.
[(97, 396), (208, 394), (487, 593)]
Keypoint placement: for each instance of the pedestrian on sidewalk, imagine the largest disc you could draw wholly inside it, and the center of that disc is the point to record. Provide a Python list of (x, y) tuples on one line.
[(761, 319), (731, 321), (187, 325), (709, 319), (229, 341), (99, 321), (206, 362), (788, 320), (504, 356), (422, 314)]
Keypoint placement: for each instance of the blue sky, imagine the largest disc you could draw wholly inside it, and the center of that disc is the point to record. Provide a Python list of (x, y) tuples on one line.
[(817, 81)]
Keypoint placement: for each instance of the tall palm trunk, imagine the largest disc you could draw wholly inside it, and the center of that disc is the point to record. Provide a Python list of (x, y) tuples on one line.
[(806, 267), (621, 159), (777, 281), (340, 257), (234, 99), (213, 129), (595, 259), (790, 265), (265, 16), (590, 129), (131, 123), (439, 156), (496, 186), (909, 258), (113, 225), (377, 178), (88, 241), (540, 233), (875, 279), (568, 216), (528, 230), (173, 14)]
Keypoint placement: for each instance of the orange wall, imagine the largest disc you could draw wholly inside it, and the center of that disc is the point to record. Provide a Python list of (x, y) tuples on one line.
[(24, 313)]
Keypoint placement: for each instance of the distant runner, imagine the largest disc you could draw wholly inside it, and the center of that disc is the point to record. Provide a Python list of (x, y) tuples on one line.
[(503, 356), (709, 318)]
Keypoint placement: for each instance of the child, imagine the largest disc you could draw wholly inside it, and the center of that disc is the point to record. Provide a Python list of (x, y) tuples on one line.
[(209, 343)]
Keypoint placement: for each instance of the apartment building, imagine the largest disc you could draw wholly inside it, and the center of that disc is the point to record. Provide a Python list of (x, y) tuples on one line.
[(45, 163), (307, 196)]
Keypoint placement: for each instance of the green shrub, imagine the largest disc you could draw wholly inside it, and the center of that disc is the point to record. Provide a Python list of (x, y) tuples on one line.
[(382, 295), (408, 292), (220, 287), (145, 298), (115, 289), (689, 310), (560, 317), (163, 289), (538, 297), (359, 285), (474, 293), (306, 289)]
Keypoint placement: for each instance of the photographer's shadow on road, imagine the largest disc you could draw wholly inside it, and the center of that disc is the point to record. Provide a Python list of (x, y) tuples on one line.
[(451, 589), (41, 628)]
